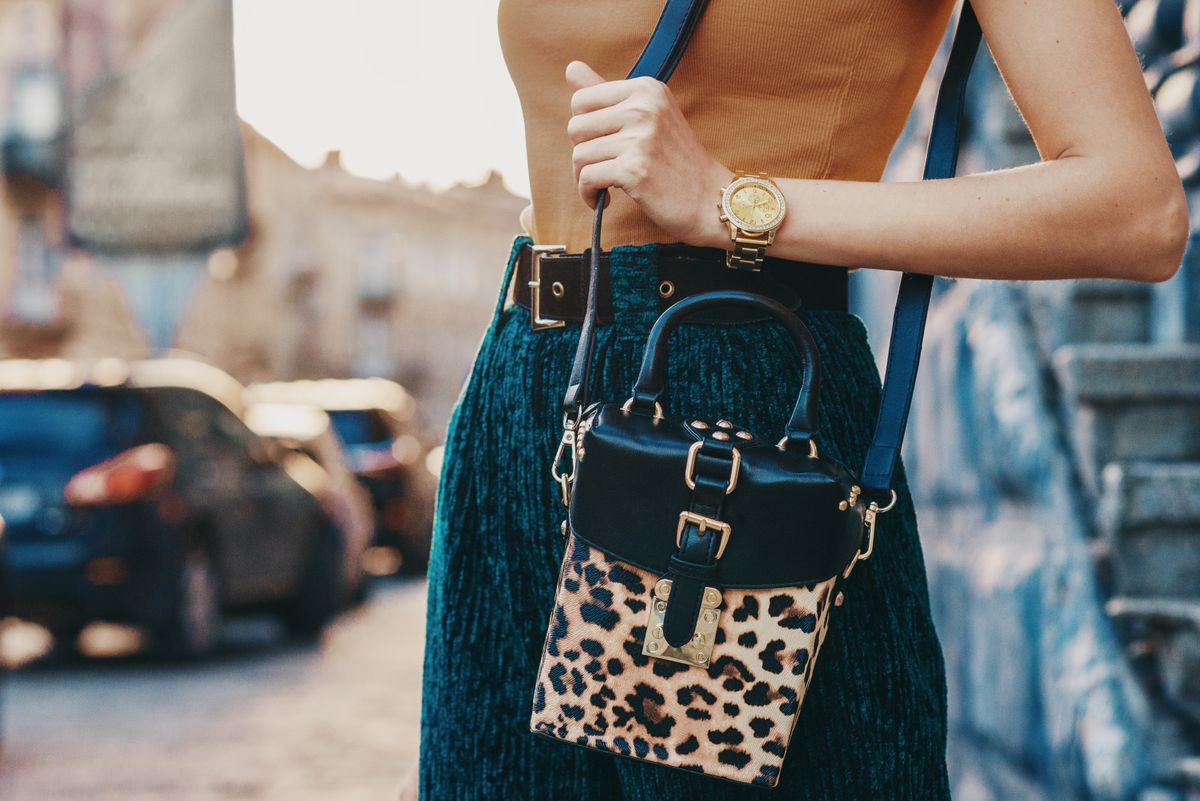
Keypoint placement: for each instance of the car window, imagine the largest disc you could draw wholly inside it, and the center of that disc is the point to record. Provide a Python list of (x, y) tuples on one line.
[(360, 426), (85, 422)]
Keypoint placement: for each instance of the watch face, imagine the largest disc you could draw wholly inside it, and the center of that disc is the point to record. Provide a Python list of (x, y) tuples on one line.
[(753, 205)]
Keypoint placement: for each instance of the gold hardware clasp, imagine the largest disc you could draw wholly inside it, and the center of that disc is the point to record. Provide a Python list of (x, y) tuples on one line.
[(689, 470), (627, 407), (539, 322), (869, 517), (855, 491), (570, 440), (705, 524), (696, 651)]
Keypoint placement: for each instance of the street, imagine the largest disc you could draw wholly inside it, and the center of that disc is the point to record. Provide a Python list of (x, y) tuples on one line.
[(259, 722)]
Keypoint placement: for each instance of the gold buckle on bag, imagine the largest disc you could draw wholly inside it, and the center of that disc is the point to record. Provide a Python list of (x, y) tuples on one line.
[(539, 322), (689, 470), (705, 524)]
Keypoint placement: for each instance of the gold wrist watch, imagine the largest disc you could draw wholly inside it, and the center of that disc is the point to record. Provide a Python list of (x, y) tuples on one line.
[(754, 208)]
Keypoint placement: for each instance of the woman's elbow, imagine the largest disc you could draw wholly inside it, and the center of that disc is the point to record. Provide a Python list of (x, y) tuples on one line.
[(1160, 235)]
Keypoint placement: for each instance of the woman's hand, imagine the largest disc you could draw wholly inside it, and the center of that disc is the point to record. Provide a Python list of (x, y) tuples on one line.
[(631, 134)]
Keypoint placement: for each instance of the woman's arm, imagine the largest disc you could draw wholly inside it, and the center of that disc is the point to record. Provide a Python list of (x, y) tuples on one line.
[(1105, 201)]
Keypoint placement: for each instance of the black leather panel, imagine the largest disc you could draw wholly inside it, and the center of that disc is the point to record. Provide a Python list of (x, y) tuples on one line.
[(786, 526)]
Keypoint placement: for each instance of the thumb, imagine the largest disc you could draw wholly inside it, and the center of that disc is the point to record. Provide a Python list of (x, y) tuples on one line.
[(581, 76)]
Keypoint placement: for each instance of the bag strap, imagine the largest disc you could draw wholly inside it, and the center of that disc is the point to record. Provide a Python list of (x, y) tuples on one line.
[(912, 298), (659, 59)]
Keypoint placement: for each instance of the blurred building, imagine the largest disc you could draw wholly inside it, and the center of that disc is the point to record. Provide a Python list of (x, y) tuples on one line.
[(347, 276), (135, 213), (1054, 455), (43, 281)]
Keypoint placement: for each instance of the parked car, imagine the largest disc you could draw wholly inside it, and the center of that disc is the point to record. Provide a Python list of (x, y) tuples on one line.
[(135, 493), (3, 615), (386, 449), (314, 455)]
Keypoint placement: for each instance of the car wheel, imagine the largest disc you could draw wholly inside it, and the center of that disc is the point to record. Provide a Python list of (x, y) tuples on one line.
[(192, 629), (322, 592)]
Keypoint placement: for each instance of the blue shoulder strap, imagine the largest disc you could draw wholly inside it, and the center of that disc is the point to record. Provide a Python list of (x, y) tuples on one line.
[(912, 300), (659, 59)]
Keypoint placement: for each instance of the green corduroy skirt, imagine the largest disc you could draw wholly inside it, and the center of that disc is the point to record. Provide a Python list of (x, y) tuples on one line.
[(873, 725)]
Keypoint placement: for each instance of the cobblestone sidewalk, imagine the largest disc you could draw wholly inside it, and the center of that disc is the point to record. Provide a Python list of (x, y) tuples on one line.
[(334, 722)]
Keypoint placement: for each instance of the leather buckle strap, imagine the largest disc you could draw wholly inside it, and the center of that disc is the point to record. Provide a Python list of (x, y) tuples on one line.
[(552, 284), (535, 284), (703, 526)]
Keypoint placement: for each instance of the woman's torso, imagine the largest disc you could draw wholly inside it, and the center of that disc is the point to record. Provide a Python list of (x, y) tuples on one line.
[(792, 89)]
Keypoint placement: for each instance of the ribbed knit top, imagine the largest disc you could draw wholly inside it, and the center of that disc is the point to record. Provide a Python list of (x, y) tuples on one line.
[(794, 89)]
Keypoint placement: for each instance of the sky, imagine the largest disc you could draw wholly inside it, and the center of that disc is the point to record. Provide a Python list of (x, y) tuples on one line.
[(415, 87)]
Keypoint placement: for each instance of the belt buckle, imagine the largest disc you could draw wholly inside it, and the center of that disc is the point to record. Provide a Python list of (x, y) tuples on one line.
[(539, 322)]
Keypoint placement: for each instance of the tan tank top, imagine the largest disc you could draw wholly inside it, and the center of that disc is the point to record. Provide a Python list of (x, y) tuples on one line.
[(791, 88)]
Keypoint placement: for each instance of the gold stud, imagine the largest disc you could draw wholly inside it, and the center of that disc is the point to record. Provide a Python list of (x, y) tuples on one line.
[(721, 435), (557, 289), (699, 424), (843, 506), (745, 435), (839, 600), (724, 424)]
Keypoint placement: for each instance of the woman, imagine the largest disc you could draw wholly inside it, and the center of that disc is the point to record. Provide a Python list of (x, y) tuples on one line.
[(812, 97)]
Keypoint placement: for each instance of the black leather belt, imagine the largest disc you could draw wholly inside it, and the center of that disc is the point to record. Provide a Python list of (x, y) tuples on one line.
[(552, 284)]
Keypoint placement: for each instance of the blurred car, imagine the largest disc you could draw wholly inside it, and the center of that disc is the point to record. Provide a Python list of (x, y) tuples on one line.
[(135, 493), (3, 615), (386, 449), (306, 440)]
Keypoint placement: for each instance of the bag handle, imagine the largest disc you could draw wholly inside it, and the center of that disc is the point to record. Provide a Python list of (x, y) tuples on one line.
[(651, 382), (659, 59)]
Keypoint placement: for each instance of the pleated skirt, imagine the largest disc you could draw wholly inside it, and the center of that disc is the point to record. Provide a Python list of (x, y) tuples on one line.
[(873, 726)]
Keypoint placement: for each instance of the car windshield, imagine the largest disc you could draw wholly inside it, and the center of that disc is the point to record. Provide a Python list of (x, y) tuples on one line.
[(360, 426), (70, 427)]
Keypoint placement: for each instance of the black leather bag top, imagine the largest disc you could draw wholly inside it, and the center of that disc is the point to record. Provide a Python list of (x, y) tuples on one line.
[(790, 512)]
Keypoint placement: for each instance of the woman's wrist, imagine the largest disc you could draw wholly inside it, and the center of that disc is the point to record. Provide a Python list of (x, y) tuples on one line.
[(708, 231)]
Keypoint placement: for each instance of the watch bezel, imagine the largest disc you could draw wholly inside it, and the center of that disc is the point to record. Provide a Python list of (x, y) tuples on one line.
[(747, 180)]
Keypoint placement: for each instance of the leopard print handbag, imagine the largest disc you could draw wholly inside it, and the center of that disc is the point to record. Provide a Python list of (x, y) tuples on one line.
[(672, 639), (705, 562)]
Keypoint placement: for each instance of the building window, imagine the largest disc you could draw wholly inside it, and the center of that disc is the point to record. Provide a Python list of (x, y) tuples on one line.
[(375, 356), (34, 295), (376, 279)]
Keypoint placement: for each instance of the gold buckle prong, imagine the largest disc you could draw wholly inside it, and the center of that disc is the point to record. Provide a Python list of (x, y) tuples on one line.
[(705, 524), (540, 323)]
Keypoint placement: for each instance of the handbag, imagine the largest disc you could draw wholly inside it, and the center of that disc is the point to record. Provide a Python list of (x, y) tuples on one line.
[(704, 562)]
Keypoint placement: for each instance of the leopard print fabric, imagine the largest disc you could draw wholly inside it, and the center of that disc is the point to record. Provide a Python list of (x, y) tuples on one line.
[(732, 719)]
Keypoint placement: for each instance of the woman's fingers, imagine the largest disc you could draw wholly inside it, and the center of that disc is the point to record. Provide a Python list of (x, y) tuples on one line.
[(596, 150), (602, 122), (596, 176), (580, 75), (592, 92)]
